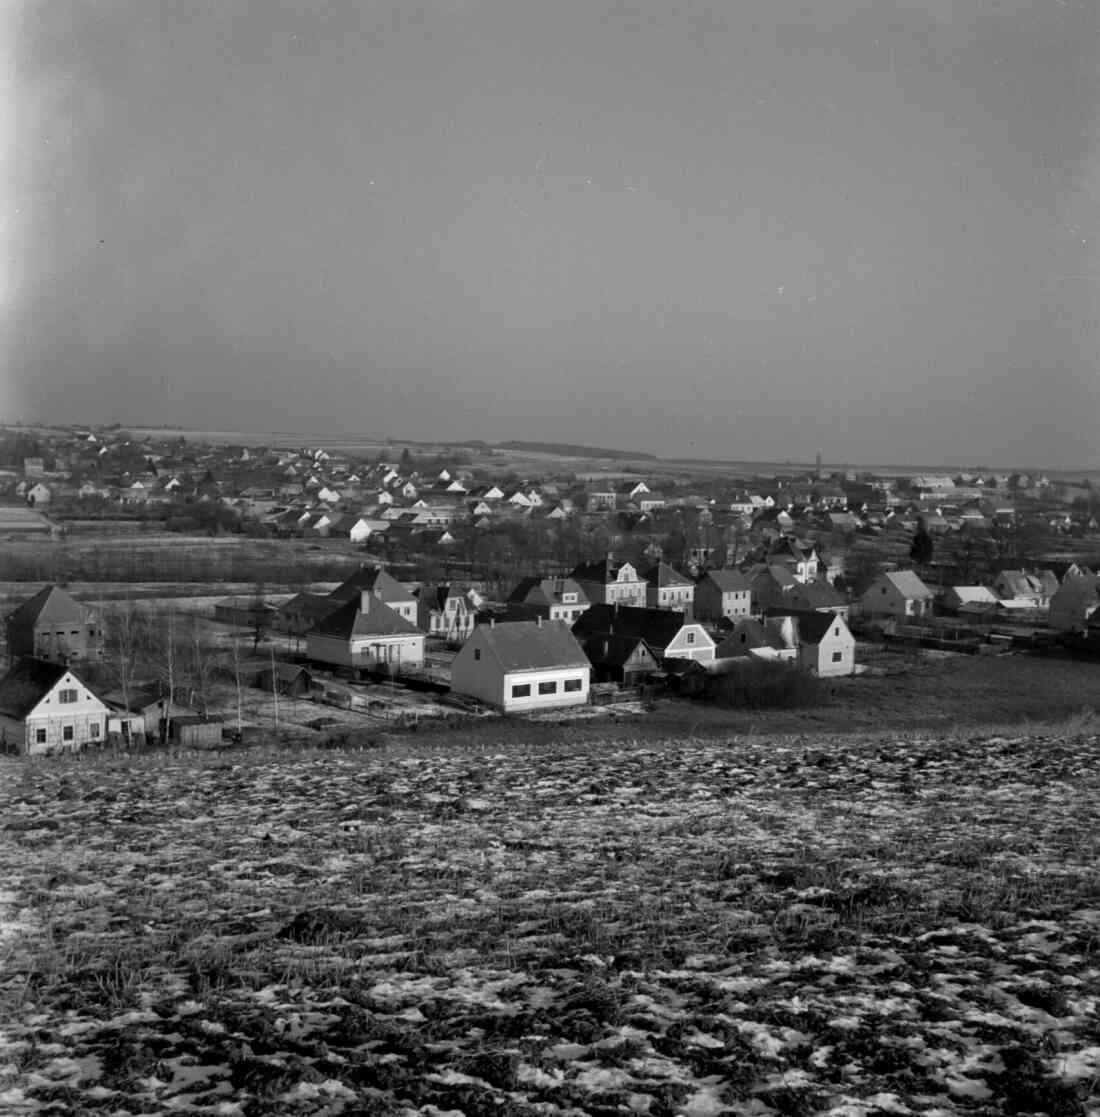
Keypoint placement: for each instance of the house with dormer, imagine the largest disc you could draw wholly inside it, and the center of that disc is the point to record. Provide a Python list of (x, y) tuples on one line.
[(611, 582), (445, 612)]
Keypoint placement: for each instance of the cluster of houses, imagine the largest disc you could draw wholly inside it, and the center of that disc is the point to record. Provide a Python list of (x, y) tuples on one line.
[(605, 622)]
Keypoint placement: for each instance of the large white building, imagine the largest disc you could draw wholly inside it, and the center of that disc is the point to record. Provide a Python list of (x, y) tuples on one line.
[(520, 666)]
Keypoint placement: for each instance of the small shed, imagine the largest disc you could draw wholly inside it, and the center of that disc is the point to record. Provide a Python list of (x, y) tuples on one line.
[(291, 679), (197, 731)]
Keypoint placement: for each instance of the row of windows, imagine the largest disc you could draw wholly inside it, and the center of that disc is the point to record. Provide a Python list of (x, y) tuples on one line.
[(66, 733), (523, 690)]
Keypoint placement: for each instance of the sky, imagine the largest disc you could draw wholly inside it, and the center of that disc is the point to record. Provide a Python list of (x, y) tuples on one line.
[(755, 229)]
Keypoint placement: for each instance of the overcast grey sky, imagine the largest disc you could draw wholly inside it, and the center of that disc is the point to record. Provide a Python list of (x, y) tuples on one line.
[(737, 228)]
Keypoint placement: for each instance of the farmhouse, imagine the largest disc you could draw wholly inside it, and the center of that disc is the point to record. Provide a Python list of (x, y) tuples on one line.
[(364, 633), (44, 708), (521, 666), (52, 625)]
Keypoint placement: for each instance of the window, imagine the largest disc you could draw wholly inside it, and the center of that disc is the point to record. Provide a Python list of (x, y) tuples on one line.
[(40, 736), (691, 637), (67, 695), (521, 690), (67, 733), (548, 688), (572, 684), (838, 657), (94, 728), (477, 653)]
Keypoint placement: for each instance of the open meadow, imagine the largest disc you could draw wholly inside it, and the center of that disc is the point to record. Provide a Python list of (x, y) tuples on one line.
[(861, 926)]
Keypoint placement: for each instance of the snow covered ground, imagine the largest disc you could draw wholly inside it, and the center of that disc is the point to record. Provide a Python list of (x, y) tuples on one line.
[(873, 926)]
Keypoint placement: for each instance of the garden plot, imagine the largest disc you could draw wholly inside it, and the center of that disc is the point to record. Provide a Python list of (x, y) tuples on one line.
[(752, 926)]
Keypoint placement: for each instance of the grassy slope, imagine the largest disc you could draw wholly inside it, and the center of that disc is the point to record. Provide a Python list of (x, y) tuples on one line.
[(868, 925)]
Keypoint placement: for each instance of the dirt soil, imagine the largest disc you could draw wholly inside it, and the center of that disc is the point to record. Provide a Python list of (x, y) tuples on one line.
[(859, 926)]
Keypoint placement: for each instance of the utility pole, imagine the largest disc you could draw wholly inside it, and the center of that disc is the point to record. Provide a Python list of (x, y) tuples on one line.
[(275, 689)]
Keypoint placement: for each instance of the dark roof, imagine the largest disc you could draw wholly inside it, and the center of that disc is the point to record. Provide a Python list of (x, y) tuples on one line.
[(528, 645), (546, 591), (51, 605), (613, 650), (373, 578), (437, 596), (27, 683), (657, 627), (813, 627), (349, 620), (816, 595), (605, 571), (728, 581), (661, 575), (311, 605)]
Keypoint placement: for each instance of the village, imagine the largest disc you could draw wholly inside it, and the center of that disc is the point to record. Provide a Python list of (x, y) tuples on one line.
[(160, 588)]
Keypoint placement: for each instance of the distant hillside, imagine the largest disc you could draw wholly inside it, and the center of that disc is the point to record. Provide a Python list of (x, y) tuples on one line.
[(568, 450)]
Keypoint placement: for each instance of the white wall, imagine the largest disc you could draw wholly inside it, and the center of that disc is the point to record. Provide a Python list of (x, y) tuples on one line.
[(555, 677), (86, 717)]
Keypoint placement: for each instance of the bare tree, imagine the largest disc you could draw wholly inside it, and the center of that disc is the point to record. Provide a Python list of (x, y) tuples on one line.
[(126, 646)]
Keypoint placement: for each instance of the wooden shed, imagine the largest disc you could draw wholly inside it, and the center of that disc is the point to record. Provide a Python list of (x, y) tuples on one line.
[(196, 731)]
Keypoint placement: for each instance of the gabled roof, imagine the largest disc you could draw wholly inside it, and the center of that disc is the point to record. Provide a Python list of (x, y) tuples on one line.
[(51, 605), (813, 627), (908, 584), (546, 591), (613, 650), (657, 627), (816, 595), (27, 683), (728, 581), (605, 571), (381, 584), (661, 576), (436, 597), (377, 620), (531, 646)]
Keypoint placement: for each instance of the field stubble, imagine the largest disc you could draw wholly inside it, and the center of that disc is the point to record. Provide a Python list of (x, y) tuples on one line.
[(866, 926)]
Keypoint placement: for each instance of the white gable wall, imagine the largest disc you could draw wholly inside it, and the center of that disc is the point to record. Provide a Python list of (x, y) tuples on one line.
[(54, 725)]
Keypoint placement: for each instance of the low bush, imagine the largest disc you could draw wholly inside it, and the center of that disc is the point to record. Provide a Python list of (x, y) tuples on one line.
[(759, 685)]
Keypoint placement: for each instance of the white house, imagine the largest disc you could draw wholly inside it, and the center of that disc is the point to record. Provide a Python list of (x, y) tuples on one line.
[(365, 633), (44, 707), (445, 611), (522, 666), (826, 646)]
